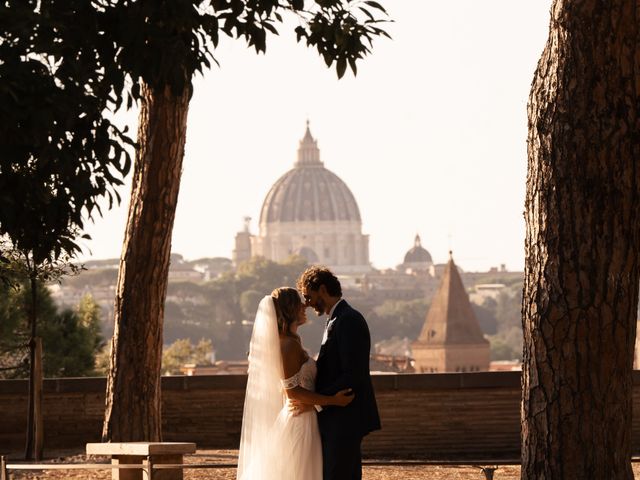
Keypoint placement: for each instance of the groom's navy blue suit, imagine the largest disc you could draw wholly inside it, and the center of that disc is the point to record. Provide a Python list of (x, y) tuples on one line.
[(343, 362)]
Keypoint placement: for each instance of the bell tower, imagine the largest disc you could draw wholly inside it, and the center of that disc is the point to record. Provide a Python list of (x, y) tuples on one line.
[(451, 339)]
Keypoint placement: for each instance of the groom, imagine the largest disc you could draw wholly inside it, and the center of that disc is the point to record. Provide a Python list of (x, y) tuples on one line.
[(343, 362)]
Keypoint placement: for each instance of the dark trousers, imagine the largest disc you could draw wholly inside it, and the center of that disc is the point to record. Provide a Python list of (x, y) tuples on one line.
[(341, 458)]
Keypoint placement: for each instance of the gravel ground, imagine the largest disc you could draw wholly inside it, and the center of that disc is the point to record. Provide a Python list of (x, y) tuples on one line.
[(386, 472)]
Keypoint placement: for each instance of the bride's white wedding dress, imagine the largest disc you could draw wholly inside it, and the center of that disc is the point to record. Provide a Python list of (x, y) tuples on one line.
[(299, 433), (275, 444)]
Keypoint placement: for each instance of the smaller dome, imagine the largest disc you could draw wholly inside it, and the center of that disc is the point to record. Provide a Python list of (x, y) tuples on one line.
[(417, 254)]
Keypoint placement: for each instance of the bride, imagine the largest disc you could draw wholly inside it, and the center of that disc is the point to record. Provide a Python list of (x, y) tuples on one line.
[(275, 442)]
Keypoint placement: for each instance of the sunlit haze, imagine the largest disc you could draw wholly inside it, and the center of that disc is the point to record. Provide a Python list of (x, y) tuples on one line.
[(430, 136)]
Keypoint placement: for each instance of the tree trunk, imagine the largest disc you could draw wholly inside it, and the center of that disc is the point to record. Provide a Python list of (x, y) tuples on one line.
[(133, 384), (582, 242), (29, 450)]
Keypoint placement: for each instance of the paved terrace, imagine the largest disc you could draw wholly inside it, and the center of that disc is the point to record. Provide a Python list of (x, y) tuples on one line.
[(452, 471)]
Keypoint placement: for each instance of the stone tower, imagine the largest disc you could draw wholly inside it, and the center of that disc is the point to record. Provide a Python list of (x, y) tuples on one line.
[(451, 339), (242, 252)]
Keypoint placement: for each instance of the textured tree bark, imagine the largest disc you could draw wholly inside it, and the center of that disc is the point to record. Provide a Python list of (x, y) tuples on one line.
[(133, 385), (582, 243)]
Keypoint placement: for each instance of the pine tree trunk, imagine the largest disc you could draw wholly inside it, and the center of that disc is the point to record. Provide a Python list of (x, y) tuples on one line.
[(582, 242), (133, 384)]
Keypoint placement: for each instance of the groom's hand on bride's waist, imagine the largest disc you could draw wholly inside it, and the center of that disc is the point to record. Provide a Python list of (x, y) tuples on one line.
[(296, 407)]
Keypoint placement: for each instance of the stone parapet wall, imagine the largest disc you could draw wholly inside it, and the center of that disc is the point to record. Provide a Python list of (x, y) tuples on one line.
[(448, 415)]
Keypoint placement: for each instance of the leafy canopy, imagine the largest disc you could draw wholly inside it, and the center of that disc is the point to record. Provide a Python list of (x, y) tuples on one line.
[(60, 152), (71, 338), (63, 65), (165, 42)]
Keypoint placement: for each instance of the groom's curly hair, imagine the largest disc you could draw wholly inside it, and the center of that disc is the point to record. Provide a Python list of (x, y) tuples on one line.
[(287, 302), (317, 275)]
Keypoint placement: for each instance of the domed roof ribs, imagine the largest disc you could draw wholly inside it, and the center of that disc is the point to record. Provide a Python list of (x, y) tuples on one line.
[(335, 197), (339, 195), (309, 192), (317, 201), (266, 213), (305, 193), (284, 199), (352, 206)]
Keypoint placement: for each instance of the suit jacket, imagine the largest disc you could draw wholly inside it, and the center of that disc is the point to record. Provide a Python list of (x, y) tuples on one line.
[(343, 362)]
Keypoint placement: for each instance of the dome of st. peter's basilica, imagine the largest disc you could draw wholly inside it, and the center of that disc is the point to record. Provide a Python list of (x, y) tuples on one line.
[(309, 192), (310, 211)]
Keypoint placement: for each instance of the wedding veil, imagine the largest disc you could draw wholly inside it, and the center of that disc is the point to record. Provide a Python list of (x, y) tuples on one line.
[(264, 397)]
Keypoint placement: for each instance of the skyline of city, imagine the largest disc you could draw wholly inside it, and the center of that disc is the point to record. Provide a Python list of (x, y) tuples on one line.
[(430, 136)]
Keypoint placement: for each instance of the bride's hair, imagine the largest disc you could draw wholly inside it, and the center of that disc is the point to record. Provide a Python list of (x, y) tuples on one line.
[(287, 302)]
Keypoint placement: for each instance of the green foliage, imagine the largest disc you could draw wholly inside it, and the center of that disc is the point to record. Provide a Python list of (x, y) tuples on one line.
[(185, 289), (398, 318), (506, 340), (70, 338), (507, 345), (264, 275), (176, 355), (99, 277), (60, 152), (485, 314), (163, 43), (249, 301), (102, 361), (182, 352), (68, 347), (89, 319), (509, 308), (12, 332), (338, 34), (226, 306), (203, 352), (18, 266)]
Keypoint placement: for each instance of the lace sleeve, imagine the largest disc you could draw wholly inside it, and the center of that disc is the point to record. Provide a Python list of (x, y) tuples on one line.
[(291, 382)]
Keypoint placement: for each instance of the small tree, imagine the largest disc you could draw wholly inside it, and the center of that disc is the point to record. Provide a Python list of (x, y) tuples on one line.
[(89, 315), (176, 355), (182, 352), (59, 151), (71, 337)]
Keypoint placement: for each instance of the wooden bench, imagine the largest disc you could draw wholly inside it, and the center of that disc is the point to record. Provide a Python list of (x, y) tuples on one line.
[(150, 453)]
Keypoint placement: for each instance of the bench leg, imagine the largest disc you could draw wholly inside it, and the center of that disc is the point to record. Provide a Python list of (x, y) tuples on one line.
[(3, 469), (169, 474), (126, 473), (488, 472)]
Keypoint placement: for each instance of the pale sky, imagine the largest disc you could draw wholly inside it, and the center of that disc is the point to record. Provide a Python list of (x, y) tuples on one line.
[(430, 136)]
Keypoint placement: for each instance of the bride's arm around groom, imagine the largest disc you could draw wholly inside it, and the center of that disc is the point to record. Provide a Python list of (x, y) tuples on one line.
[(293, 358)]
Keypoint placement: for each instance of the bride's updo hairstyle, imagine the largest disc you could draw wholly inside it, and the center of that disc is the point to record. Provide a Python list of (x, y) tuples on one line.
[(287, 302)]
